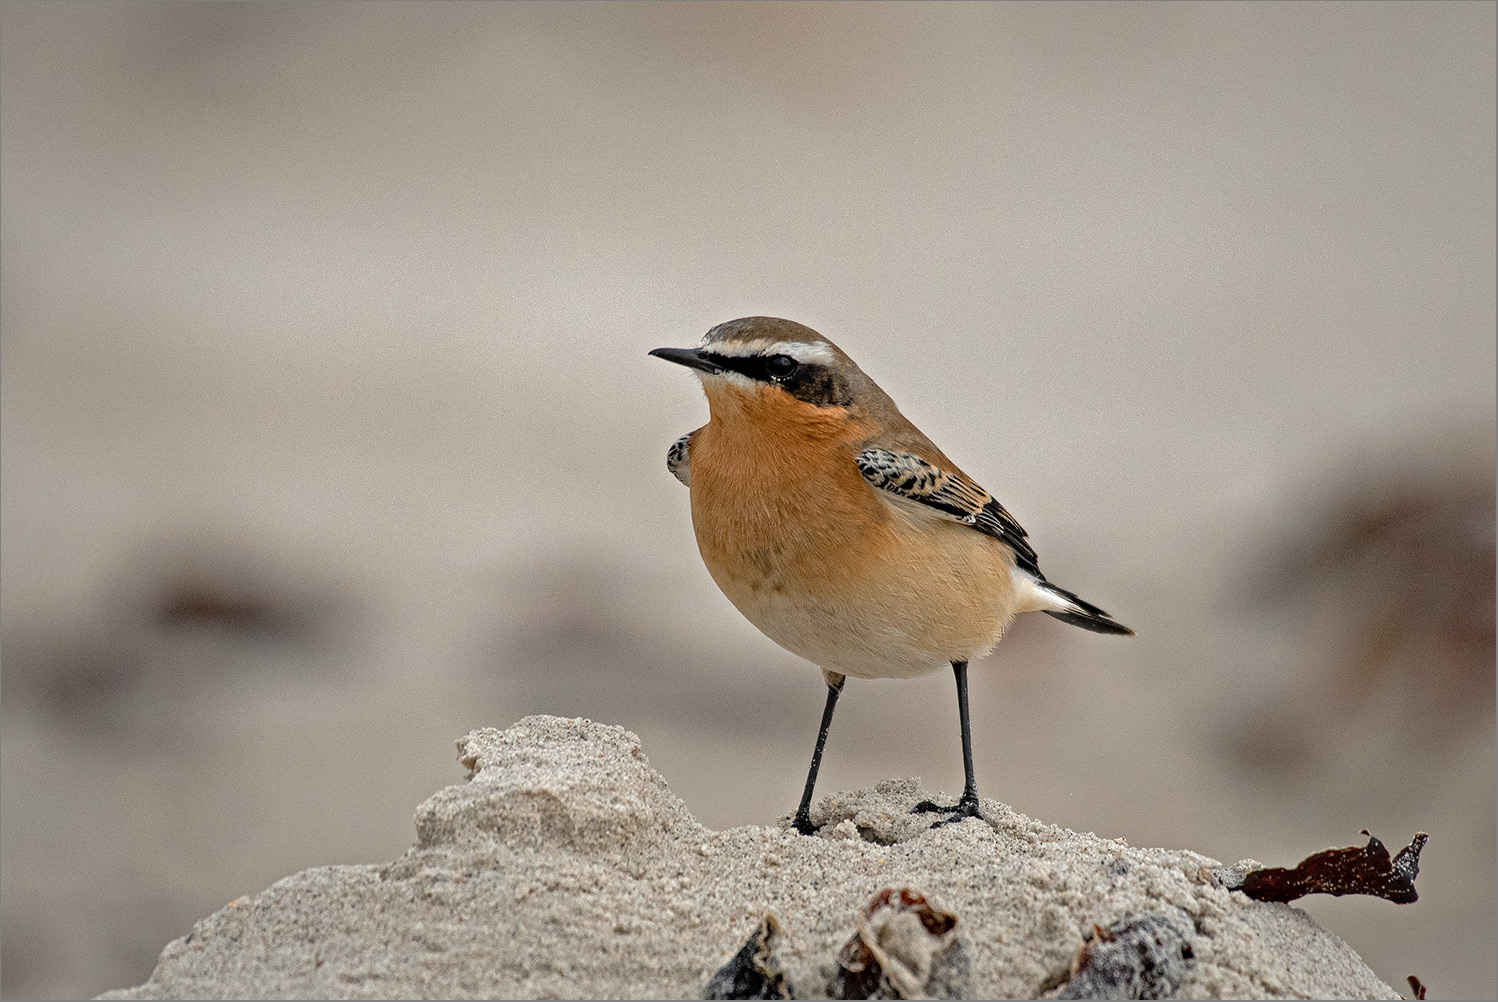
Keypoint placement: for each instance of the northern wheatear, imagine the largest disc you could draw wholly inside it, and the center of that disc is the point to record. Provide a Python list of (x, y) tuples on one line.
[(842, 532)]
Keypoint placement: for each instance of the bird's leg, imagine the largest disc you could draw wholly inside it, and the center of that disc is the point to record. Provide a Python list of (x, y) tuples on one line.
[(967, 806), (802, 821)]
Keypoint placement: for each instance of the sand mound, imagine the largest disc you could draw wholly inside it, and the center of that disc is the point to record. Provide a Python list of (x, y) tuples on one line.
[(565, 867)]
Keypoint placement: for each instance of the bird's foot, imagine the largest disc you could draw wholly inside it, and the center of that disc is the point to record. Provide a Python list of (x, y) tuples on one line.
[(802, 823), (965, 808)]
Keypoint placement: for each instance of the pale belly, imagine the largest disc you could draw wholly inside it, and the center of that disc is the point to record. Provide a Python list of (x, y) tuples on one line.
[(899, 597)]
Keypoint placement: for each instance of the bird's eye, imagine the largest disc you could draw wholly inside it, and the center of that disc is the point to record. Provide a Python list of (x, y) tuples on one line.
[(780, 366)]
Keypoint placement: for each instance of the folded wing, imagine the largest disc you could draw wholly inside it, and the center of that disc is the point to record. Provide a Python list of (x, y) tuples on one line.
[(950, 494), (679, 459)]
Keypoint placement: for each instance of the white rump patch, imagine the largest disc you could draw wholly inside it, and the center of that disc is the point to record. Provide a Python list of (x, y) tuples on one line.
[(1037, 597)]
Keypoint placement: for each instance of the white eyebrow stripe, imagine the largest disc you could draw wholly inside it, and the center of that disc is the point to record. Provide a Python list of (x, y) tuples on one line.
[(801, 351)]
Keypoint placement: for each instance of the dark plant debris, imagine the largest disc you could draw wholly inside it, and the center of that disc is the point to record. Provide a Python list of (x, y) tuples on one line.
[(1143, 957), (754, 972), (901, 949), (1354, 870), (1416, 986)]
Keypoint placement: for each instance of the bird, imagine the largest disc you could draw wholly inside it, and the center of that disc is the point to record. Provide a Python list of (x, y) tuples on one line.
[(843, 533)]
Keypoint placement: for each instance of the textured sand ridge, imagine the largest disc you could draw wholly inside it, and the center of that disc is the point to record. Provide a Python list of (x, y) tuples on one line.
[(565, 867)]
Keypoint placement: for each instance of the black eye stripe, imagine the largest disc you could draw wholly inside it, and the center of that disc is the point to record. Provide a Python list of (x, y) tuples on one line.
[(765, 368), (807, 381)]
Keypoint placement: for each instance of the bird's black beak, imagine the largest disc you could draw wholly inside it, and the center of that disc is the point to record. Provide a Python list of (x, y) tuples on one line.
[(692, 358)]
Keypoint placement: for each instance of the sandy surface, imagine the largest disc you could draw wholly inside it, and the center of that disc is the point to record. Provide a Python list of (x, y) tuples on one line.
[(565, 868), (327, 431)]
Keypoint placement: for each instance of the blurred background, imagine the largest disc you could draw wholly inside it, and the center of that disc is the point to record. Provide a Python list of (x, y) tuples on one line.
[(328, 431)]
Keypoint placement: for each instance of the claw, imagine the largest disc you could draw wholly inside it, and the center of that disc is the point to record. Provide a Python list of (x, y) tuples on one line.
[(965, 808)]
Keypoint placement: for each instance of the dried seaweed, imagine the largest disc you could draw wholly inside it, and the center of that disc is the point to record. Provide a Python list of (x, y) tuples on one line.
[(1354, 870)]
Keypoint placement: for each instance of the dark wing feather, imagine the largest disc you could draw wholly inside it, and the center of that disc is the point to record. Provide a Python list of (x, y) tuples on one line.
[(950, 493), (679, 460)]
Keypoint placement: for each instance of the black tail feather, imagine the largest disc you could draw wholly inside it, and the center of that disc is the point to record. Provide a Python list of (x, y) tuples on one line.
[(1086, 615)]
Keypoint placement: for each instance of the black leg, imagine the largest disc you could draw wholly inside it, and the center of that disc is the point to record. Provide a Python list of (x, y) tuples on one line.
[(802, 821), (967, 806)]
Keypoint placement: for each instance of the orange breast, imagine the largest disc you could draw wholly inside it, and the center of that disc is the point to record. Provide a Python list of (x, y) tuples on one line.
[(815, 558), (777, 499)]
